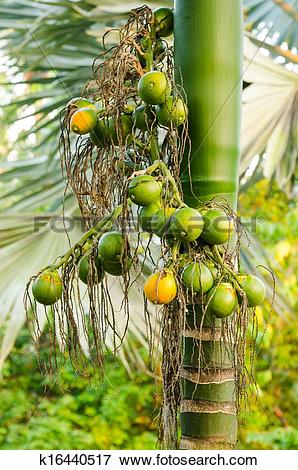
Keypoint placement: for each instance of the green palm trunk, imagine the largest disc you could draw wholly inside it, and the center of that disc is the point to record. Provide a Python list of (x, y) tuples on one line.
[(208, 52)]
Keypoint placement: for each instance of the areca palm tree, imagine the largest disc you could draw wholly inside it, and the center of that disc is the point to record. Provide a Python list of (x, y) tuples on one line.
[(51, 47), (208, 408)]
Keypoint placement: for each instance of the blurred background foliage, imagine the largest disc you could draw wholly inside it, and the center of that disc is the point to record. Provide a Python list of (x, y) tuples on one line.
[(47, 49), (69, 412), (271, 419)]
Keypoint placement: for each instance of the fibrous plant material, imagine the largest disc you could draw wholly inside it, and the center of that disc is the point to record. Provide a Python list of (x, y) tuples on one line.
[(121, 149)]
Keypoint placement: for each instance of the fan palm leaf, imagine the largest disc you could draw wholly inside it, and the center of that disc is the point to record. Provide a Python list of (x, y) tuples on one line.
[(270, 117), (275, 19)]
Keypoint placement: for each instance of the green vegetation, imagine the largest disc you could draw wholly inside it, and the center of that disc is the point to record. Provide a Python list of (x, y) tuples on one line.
[(38, 413), (270, 422), (121, 413)]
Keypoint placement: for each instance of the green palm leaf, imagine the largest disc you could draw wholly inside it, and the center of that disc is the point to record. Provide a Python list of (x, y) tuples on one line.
[(270, 117), (275, 19), (28, 243)]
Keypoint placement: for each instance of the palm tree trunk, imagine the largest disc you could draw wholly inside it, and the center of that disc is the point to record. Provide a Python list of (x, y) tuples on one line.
[(208, 53)]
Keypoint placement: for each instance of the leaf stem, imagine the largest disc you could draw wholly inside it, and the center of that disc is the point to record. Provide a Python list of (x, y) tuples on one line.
[(176, 250), (159, 165), (226, 267), (96, 230)]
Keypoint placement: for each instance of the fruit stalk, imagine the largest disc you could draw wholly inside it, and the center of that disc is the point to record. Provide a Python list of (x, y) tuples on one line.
[(98, 229), (208, 52)]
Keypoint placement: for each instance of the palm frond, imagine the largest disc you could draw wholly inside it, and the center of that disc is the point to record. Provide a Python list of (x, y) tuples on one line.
[(32, 184), (270, 117), (28, 243), (287, 57), (275, 19)]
